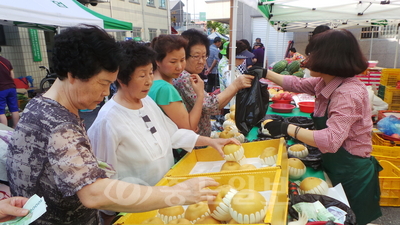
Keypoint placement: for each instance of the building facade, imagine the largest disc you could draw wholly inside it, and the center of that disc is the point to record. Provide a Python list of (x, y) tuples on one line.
[(150, 18)]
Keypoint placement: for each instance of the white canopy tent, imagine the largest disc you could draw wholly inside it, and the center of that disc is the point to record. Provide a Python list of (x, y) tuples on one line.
[(305, 15), (347, 13), (52, 15)]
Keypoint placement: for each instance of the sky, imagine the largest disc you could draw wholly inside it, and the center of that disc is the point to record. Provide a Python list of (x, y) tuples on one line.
[(194, 6)]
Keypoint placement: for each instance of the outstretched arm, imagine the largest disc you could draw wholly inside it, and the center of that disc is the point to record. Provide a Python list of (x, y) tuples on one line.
[(120, 196)]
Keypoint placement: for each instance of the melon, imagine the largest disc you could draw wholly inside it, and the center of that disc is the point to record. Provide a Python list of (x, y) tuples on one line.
[(293, 67), (299, 74), (285, 72), (279, 66)]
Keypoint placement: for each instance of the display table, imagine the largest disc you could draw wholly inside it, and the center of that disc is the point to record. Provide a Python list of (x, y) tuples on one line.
[(252, 135), (295, 112)]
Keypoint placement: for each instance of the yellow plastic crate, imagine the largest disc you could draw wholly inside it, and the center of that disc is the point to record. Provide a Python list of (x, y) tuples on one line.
[(386, 151), (251, 150), (392, 95), (391, 154), (389, 77), (394, 107), (274, 180), (389, 181), (395, 161), (377, 140)]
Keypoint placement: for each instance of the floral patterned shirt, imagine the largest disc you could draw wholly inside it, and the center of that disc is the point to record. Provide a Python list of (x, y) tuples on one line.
[(50, 155), (225, 73), (210, 104)]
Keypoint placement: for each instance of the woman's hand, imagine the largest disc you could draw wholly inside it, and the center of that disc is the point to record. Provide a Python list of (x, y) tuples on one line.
[(12, 207), (219, 143), (243, 81), (195, 190), (197, 84)]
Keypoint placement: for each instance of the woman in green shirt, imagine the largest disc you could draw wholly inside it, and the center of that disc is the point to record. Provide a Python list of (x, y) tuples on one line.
[(171, 61)]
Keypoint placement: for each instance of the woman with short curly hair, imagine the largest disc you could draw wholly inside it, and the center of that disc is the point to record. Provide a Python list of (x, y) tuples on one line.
[(196, 53)]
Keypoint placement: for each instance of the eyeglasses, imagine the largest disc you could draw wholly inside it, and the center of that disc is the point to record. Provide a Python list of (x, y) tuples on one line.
[(197, 57)]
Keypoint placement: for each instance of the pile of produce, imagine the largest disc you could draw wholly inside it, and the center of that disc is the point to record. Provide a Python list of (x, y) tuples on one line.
[(230, 129), (282, 96), (285, 68), (230, 206)]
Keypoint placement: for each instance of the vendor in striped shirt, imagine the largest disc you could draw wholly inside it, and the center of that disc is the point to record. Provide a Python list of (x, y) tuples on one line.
[(342, 118)]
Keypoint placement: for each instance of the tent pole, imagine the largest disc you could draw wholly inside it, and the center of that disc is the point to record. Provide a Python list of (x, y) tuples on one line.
[(232, 37), (277, 47), (144, 25), (372, 38), (397, 49), (283, 46), (187, 14), (168, 18), (266, 47)]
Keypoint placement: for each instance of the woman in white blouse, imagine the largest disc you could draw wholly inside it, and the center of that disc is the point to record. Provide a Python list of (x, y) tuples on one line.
[(132, 133)]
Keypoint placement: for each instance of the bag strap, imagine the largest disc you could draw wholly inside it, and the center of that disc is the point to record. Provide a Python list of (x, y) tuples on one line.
[(25, 81), (5, 66)]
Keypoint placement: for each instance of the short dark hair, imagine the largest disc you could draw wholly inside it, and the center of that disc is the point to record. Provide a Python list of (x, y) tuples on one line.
[(84, 52), (320, 29), (292, 50), (247, 43), (337, 53), (216, 39), (166, 43), (195, 37), (0, 48), (134, 55), (240, 47)]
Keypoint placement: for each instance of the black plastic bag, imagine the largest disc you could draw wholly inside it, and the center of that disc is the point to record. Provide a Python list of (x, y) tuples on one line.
[(326, 201), (251, 103), (300, 121), (314, 157)]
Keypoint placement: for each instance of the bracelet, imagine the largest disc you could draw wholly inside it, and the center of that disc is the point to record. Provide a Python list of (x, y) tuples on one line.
[(296, 131)]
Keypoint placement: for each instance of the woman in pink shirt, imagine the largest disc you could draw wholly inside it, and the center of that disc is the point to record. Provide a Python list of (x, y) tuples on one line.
[(342, 118)]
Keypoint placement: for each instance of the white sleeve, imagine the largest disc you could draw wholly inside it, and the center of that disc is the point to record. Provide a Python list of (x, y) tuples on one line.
[(104, 141), (185, 139)]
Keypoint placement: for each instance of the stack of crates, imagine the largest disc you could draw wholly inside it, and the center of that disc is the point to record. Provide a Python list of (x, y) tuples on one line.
[(389, 181), (387, 152), (370, 77), (387, 89)]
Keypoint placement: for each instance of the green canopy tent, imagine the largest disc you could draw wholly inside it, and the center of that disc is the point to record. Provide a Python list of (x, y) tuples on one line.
[(54, 15), (109, 23)]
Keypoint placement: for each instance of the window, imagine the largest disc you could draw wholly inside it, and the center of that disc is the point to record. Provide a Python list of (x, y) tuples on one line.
[(367, 32), (162, 4), (120, 35), (134, 1), (163, 31), (150, 2), (137, 32), (381, 32), (152, 33)]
